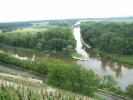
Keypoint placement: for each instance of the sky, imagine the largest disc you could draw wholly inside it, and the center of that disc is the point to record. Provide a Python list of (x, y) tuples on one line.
[(24, 10)]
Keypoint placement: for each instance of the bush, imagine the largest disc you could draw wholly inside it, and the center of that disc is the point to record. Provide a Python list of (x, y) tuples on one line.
[(59, 73), (74, 78), (129, 90)]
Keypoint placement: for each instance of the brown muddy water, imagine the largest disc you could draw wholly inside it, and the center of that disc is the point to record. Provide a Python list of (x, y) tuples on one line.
[(122, 73)]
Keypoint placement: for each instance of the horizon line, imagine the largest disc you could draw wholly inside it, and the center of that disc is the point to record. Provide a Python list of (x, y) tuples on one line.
[(65, 19)]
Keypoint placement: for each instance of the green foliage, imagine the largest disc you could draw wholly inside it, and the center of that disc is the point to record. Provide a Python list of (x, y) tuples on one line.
[(36, 93), (121, 58), (129, 90), (75, 54), (55, 39), (109, 37), (108, 82), (38, 65), (70, 77), (74, 78), (10, 26), (67, 76), (69, 22)]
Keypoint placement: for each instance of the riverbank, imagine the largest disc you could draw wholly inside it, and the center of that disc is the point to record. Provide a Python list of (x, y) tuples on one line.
[(18, 48), (49, 53), (127, 59), (49, 65), (75, 54), (57, 69), (121, 58), (86, 45)]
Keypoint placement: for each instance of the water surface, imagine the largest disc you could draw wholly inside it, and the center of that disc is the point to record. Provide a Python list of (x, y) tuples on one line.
[(122, 73)]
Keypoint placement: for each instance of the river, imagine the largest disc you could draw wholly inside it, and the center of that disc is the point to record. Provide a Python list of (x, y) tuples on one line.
[(122, 73), (24, 55)]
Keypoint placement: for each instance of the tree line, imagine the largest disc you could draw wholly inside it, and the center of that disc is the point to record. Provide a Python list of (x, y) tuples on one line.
[(110, 37), (57, 39)]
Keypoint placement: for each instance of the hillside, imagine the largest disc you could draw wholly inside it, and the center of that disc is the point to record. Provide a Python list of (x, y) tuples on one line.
[(21, 88)]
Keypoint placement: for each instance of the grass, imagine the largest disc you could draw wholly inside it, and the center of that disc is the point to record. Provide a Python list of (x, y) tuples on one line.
[(128, 59), (14, 87), (56, 69), (27, 30), (75, 54), (58, 54), (18, 48)]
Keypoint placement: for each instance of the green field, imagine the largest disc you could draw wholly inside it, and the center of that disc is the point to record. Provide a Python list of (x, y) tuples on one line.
[(121, 58)]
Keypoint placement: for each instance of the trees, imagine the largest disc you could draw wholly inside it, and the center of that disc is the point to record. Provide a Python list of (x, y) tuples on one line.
[(55, 38), (74, 78), (109, 37), (58, 73), (129, 90), (108, 82), (57, 44)]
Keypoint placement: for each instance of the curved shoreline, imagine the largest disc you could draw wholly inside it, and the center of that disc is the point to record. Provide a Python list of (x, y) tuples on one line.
[(112, 57)]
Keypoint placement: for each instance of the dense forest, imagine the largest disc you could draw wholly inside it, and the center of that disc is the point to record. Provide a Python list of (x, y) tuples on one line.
[(14, 25), (67, 22), (51, 37), (108, 36)]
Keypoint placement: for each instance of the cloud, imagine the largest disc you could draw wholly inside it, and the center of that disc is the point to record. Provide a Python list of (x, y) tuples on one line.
[(19, 10)]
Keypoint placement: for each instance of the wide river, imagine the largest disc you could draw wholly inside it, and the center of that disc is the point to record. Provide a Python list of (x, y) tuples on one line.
[(122, 73)]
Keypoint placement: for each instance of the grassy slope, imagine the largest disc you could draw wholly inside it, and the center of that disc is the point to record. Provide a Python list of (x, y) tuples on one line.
[(12, 85)]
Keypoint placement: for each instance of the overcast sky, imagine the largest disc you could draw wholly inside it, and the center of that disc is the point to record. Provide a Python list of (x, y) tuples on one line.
[(21, 10)]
